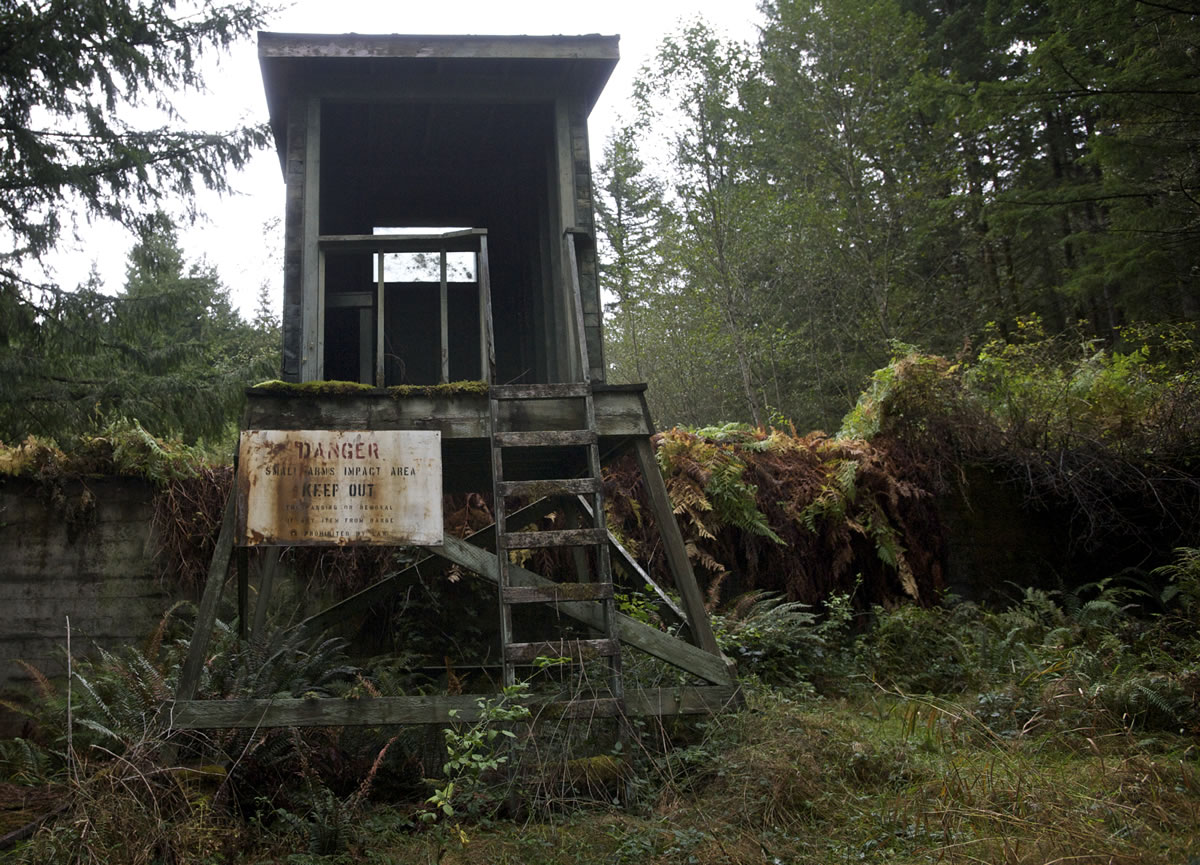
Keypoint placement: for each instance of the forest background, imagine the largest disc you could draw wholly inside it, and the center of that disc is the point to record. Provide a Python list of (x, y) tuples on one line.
[(877, 172), (778, 219)]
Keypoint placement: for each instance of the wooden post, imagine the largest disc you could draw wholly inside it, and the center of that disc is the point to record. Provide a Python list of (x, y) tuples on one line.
[(677, 560), (310, 359), (379, 336), (444, 318), (270, 563), (206, 614), (243, 590), (366, 358), (487, 345)]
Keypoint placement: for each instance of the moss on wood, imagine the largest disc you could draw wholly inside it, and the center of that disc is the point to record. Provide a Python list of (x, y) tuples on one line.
[(312, 388), (450, 388), (353, 388)]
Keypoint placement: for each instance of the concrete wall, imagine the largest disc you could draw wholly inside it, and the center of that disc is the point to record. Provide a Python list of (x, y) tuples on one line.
[(87, 554), (995, 544)]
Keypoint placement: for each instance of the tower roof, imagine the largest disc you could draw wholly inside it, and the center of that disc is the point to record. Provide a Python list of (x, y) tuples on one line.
[(430, 68)]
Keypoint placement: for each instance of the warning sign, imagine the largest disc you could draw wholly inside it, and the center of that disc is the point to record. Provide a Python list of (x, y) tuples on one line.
[(322, 487)]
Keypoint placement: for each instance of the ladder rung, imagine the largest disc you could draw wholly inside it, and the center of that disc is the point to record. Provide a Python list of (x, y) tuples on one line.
[(553, 538), (564, 390), (603, 707), (544, 438), (576, 650), (558, 593), (541, 489)]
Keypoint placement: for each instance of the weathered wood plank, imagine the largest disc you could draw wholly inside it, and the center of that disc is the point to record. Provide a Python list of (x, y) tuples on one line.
[(557, 593), (294, 712), (576, 650), (558, 390), (556, 487), (380, 320), (270, 564), (712, 668), (668, 529), (206, 613), (382, 711), (602, 707), (554, 538), (242, 560), (458, 416), (545, 438)]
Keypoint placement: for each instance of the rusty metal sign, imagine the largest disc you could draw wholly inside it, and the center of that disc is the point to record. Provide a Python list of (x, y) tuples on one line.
[(323, 487)]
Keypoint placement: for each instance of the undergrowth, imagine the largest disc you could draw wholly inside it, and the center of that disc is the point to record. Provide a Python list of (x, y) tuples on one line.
[(1107, 436), (1061, 727)]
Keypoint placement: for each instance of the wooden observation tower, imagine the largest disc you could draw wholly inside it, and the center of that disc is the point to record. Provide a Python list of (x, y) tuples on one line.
[(440, 272)]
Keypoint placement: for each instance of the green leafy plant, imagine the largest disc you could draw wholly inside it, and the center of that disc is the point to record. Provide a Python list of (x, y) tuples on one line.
[(475, 755)]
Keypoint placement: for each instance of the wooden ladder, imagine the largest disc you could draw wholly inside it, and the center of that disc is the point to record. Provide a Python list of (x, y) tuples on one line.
[(590, 584), (598, 587)]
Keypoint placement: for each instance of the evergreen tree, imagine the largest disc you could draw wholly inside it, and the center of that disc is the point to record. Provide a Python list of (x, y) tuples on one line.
[(632, 220), (697, 80), (169, 351), (71, 74)]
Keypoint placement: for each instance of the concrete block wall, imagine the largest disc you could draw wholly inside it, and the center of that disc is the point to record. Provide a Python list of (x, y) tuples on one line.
[(88, 555)]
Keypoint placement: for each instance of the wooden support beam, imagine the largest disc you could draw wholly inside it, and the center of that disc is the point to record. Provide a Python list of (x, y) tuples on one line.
[(206, 614), (553, 487), (710, 667), (459, 416), (559, 390), (380, 711), (677, 560), (393, 584)]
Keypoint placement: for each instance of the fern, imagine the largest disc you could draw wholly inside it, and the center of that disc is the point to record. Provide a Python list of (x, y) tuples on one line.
[(23, 762)]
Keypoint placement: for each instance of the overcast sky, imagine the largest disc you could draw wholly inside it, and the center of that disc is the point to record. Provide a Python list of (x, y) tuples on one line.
[(232, 237)]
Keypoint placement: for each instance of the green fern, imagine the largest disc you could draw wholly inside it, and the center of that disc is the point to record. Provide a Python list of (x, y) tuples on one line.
[(24, 762)]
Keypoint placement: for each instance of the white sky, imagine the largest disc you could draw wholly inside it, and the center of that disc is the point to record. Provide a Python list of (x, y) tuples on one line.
[(232, 235)]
